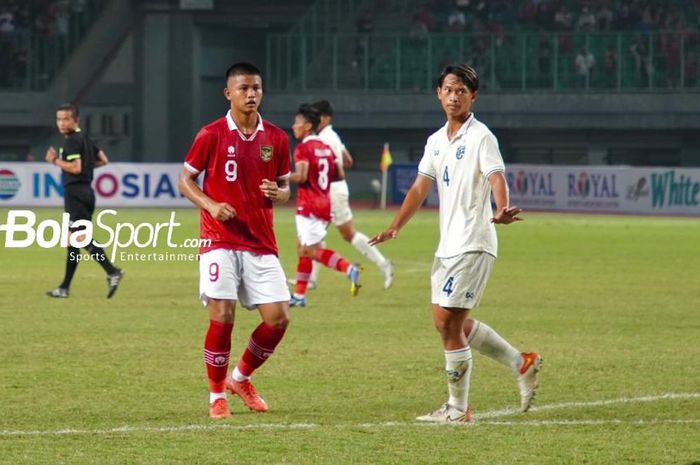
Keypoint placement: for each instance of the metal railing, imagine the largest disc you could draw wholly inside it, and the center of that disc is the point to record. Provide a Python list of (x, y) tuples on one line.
[(512, 62)]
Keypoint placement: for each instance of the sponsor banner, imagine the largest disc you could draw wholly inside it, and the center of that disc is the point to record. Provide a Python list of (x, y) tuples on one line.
[(606, 189), (115, 185), (401, 177)]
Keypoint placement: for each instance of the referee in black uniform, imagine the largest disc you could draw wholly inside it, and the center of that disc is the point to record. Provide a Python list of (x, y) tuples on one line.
[(77, 159)]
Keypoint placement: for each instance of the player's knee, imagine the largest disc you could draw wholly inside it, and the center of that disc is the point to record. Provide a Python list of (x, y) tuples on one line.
[(280, 321), (347, 234), (220, 310), (308, 251)]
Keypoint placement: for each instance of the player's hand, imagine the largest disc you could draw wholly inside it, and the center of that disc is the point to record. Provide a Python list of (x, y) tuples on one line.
[(507, 215), (51, 155), (384, 236), (270, 189), (222, 211)]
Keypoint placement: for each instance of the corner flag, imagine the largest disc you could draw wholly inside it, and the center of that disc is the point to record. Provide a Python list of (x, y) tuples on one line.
[(386, 160)]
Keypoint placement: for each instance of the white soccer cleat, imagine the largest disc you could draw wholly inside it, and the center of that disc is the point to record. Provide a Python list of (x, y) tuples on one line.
[(447, 414), (527, 379), (388, 272)]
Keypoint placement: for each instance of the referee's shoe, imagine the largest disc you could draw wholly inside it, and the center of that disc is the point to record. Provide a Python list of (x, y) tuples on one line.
[(113, 281)]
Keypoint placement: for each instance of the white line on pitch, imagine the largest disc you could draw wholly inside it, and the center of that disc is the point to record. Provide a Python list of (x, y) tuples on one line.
[(482, 419)]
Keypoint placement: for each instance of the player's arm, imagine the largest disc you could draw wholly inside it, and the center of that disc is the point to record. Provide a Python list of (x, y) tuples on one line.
[(72, 166), (411, 203), (504, 214), (188, 187), (347, 159), (339, 173), (301, 172), (101, 159)]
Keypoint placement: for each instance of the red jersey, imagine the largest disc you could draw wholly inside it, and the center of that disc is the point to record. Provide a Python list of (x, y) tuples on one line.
[(313, 195), (235, 166)]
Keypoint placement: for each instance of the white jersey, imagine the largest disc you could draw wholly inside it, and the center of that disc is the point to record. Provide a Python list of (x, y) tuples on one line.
[(332, 139), (461, 168)]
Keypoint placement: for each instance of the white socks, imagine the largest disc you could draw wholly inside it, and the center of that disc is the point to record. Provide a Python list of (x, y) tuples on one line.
[(361, 243), (316, 267), (488, 342), (458, 367), (213, 396), (238, 376)]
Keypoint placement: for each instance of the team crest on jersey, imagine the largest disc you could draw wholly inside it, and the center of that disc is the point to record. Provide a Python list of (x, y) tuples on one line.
[(266, 153), (231, 150), (460, 152)]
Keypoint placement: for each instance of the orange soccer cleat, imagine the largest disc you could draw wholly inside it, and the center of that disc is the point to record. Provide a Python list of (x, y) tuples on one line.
[(246, 391), (527, 379), (219, 409)]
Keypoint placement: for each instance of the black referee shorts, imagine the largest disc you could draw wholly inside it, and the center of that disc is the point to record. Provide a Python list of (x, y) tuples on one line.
[(79, 202)]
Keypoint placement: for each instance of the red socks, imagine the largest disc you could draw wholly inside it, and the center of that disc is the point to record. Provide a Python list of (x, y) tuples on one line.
[(261, 345), (217, 348), (331, 259), (304, 267)]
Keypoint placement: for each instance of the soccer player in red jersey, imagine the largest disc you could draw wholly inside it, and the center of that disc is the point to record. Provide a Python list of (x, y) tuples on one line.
[(315, 168), (245, 161)]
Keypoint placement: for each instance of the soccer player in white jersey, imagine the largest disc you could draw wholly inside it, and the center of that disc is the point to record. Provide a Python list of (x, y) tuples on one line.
[(464, 159), (340, 200)]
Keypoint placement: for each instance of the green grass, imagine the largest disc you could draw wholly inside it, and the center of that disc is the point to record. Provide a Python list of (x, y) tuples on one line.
[(611, 303)]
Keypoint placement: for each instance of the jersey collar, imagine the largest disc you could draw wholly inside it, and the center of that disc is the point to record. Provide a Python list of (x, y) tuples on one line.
[(462, 130), (232, 126)]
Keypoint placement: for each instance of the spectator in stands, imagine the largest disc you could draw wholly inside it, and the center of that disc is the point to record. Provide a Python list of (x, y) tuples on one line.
[(544, 60), (563, 19), (364, 27), (528, 11), (586, 20), (610, 67), (545, 15), (640, 52), (670, 44), (419, 31), (456, 22), (691, 69), (585, 62), (426, 17), (604, 17)]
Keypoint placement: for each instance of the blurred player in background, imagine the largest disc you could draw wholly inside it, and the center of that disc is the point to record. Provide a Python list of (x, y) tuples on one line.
[(246, 164), (340, 200), (316, 167), (77, 159), (464, 159)]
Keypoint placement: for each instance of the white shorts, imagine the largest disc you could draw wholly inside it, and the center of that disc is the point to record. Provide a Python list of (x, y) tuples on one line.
[(459, 282), (340, 203), (249, 278), (310, 230)]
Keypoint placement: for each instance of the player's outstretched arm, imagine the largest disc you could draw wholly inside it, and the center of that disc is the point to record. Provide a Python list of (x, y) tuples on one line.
[(188, 187), (413, 201), (503, 214)]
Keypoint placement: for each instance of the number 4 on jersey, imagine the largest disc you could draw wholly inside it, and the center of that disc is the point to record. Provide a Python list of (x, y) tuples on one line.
[(446, 177), (448, 287)]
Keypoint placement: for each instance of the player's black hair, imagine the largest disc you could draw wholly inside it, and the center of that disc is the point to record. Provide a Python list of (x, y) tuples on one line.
[(69, 107), (465, 73), (243, 68), (324, 107), (311, 114)]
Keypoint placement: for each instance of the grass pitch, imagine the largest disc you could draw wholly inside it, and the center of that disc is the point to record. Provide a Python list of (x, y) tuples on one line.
[(610, 302)]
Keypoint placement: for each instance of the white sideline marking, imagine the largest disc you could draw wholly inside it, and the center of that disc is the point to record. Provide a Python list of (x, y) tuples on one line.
[(482, 419)]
